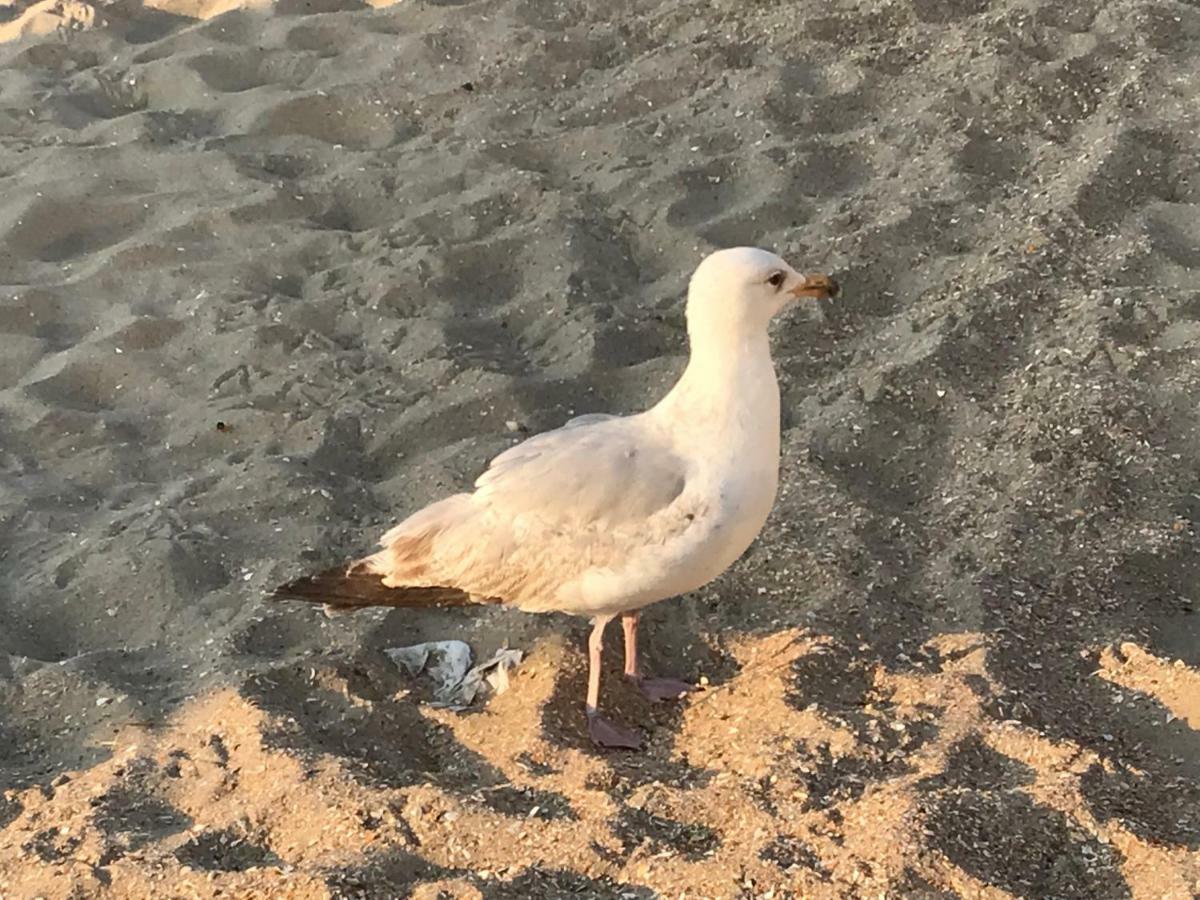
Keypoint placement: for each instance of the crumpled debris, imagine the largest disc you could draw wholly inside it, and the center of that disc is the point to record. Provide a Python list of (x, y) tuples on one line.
[(493, 673), (448, 665), (46, 17), (446, 662)]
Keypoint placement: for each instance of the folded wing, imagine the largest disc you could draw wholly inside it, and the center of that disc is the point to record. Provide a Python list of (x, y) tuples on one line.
[(582, 496)]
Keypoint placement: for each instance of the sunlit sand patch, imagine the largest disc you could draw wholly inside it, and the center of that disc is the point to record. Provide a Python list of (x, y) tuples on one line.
[(57, 16), (210, 802), (1151, 871), (200, 802), (752, 710), (204, 9), (963, 884), (862, 844), (1173, 684), (49, 17), (882, 832)]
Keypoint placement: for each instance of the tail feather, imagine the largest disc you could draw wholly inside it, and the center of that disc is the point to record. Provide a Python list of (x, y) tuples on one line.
[(342, 590)]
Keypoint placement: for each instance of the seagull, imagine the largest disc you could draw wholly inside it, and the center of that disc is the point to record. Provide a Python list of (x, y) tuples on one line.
[(608, 514)]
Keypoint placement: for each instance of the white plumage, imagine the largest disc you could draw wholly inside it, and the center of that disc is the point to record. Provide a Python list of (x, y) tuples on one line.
[(611, 513)]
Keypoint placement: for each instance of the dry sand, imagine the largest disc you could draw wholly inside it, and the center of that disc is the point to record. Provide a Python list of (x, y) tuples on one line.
[(270, 279)]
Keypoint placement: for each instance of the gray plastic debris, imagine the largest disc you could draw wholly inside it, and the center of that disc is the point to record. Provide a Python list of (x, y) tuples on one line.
[(447, 664), (493, 673)]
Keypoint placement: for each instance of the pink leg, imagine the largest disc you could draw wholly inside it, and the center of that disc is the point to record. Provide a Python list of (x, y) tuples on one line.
[(603, 732), (654, 688), (633, 666)]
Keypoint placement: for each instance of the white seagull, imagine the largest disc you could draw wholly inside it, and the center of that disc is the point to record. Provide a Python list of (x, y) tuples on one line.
[(608, 514)]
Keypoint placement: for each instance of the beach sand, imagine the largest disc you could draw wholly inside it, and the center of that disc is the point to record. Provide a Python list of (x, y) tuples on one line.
[(270, 279)]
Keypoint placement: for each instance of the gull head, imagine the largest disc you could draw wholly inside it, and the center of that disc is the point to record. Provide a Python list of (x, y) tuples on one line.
[(741, 289)]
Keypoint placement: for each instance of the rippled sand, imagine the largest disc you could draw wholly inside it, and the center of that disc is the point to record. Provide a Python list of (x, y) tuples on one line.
[(270, 278)]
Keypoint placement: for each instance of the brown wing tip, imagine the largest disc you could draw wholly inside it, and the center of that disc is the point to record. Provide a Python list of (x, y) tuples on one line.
[(358, 587)]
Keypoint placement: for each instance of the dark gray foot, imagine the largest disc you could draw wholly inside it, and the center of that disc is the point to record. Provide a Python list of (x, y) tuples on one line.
[(608, 734), (663, 688)]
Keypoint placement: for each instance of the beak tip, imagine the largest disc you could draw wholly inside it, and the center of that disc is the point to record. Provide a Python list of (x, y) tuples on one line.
[(822, 287)]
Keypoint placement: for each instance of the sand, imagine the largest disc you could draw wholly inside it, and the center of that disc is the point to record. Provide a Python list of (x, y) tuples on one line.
[(270, 278)]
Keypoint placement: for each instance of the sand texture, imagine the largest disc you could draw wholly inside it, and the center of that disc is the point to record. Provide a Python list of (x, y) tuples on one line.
[(271, 278)]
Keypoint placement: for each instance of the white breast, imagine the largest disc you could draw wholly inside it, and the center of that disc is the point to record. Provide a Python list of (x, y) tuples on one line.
[(733, 453)]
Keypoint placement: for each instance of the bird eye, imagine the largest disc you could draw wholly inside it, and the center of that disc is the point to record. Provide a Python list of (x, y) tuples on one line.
[(776, 280)]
